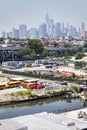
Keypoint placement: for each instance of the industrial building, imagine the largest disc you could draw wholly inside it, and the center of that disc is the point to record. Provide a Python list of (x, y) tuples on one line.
[(47, 121)]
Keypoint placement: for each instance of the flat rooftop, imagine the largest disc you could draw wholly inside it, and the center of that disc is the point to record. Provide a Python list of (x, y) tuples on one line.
[(11, 125), (48, 121)]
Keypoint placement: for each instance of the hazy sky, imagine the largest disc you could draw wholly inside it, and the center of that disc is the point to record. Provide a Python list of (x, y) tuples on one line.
[(32, 12)]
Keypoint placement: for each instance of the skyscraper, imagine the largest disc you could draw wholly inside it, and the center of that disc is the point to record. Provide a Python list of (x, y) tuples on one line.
[(10, 34), (62, 27), (42, 30), (49, 24), (15, 33), (82, 26), (28, 33), (33, 33), (47, 19), (22, 31), (57, 30), (3, 34)]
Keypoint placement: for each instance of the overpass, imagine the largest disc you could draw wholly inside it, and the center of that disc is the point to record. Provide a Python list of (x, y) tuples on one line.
[(60, 51), (59, 48), (9, 52), (11, 48)]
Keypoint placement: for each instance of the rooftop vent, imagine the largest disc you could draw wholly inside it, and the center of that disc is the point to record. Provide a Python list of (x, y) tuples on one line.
[(68, 123)]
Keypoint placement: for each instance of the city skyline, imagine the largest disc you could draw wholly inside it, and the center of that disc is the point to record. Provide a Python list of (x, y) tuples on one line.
[(48, 29), (32, 12)]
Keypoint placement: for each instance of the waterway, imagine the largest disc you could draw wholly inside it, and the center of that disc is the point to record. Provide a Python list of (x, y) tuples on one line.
[(55, 104)]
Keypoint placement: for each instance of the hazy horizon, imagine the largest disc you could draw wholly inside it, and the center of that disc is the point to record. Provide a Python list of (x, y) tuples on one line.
[(32, 12)]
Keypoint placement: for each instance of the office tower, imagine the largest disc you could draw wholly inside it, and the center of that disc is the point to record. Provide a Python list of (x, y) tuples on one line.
[(33, 33), (72, 31), (10, 34), (22, 31), (15, 33), (47, 19), (28, 33), (3, 34), (42, 30), (67, 26), (7, 35), (57, 30), (47, 23), (62, 27), (51, 28), (50, 25), (66, 30), (54, 31), (82, 26)]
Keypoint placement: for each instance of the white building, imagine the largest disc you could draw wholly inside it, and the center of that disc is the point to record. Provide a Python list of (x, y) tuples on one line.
[(47, 121)]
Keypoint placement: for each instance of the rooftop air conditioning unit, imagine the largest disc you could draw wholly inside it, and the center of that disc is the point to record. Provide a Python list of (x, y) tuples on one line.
[(68, 123)]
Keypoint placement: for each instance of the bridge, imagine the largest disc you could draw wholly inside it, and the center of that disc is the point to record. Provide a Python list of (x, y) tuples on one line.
[(11, 48), (60, 51), (59, 48), (9, 52)]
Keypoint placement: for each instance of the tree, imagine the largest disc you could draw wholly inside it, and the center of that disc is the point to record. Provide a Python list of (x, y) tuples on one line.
[(75, 88), (69, 44), (79, 55), (33, 50), (85, 44), (68, 52), (21, 53), (36, 45), (45, 53)]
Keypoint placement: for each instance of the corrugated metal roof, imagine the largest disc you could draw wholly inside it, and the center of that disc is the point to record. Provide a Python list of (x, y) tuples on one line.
[(42, 121), (11, 125)]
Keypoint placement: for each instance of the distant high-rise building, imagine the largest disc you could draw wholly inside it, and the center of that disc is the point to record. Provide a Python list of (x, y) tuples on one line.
[(47, 23), (62, 27), (82, 26), (3, 34), (47, 19), (72, 31), (7, 35), (57, 30), (67, 26), (42, 30), (28, 33), (83, 33), (15, 33), (22, 31), (33, 33), (50, 25), (10, 34)]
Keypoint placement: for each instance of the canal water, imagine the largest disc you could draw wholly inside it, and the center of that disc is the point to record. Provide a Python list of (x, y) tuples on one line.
[(55, 104)]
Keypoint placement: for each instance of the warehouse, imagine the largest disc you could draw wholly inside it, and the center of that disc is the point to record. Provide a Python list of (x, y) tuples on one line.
[(46, 121)]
